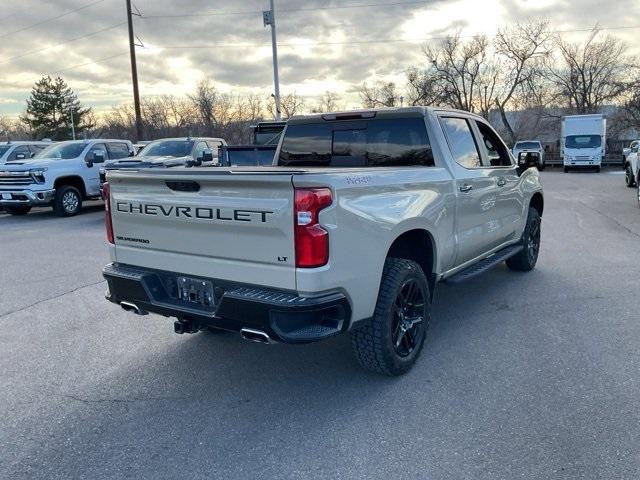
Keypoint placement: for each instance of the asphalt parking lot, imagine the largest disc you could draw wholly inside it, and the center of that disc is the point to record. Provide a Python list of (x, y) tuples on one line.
[(523, 375)]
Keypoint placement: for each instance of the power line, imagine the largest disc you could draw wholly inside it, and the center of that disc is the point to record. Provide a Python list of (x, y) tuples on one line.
[(356, 42), (68, 12), (71, 40), (308, 9)]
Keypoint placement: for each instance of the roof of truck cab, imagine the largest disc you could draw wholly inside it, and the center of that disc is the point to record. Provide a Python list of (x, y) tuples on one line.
[(383, 112)]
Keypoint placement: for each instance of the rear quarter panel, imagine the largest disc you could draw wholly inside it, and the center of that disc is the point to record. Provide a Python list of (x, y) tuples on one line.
[(371, 208)]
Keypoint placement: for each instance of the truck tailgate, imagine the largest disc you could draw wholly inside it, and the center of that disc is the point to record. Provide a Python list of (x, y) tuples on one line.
[(222, 224)]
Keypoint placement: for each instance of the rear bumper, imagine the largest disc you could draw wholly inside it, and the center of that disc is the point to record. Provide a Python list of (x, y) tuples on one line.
[(26, 197), (283, 315)]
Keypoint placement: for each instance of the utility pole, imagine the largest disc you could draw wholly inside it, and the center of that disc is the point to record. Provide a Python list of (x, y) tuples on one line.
[(73, 126), (269, 18), (134, 74)]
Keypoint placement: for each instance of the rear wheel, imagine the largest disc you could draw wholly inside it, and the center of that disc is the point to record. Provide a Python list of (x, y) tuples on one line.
[(528, 257), (391, 341), (68, 201), (18, 210), (628, 177)]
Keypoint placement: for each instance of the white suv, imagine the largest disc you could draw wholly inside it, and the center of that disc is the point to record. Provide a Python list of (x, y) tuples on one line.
[(61, 176)]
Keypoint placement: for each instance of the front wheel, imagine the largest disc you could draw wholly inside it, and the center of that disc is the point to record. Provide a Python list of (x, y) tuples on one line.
[(566, 169), (391, 341), (527, 258), (68, 201), (18, 211), (598, 168)]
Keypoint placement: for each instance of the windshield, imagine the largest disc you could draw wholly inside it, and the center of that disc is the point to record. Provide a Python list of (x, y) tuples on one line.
[(64, 151), (168, 148), (3, 149), (583, 141), (527, 145)]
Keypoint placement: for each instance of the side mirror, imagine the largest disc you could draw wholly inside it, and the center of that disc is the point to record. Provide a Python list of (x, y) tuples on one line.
[(634, 148), (207, 155), (20, 156), (528, 159), (132, 153)]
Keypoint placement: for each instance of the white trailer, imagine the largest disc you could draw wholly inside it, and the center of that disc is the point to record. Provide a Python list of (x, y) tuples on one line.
[(583, 141)]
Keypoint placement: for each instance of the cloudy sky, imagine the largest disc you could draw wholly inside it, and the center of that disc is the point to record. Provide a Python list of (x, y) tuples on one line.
[(323, 44)]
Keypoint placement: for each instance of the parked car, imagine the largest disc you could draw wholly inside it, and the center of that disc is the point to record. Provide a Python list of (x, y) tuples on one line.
[(247, 155), (530, 146), (627, 150), (363, 215), (171, 152), (62, 176), (631, 176), (583, 141), (12, 151)]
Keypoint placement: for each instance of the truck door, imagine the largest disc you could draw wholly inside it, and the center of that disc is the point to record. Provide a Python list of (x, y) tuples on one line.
[(91, 174), (476, 222), (499, 164)]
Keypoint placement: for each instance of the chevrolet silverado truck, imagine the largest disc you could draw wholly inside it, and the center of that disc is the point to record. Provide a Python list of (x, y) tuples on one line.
[(62, 176), (350, 230)]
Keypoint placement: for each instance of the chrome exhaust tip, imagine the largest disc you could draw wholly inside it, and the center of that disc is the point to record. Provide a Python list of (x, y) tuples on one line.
[(255, 336), (132, 307)]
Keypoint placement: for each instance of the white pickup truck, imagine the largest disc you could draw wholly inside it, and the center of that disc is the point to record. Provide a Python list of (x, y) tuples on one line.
[(61, 176), (362, 214)]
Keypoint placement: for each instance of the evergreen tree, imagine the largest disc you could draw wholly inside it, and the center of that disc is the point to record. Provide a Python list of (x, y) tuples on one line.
[(49, 110)]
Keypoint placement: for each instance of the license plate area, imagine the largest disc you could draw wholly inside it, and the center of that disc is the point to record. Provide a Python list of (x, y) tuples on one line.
[(195, 291)]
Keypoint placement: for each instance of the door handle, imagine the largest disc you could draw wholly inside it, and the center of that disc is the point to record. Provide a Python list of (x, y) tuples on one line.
[(502, 182), (466, 188)]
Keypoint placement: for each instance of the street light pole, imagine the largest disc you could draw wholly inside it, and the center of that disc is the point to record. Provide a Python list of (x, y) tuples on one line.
[(134, 74), (269, 18), (73, 126)]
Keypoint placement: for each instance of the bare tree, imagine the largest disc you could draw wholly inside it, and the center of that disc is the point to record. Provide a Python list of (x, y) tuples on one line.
[(590, 75), (521, 49), (290, 104), (329, 102), (460, 70), (380, 94)]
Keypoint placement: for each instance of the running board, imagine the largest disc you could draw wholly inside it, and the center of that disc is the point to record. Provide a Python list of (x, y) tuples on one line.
[(484, 265)]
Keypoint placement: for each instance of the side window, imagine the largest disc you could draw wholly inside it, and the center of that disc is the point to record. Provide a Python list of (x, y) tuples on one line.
[(118, 150), (496, 152), (20, 153), (461, 143), (97, 148), (214, 146), (199, 148)]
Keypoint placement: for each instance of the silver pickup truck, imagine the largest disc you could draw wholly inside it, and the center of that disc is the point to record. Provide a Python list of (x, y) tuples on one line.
[(362, 214)]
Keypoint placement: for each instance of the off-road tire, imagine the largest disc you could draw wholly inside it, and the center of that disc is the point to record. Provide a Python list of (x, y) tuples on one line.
[(526, 259), (628, 177), (372, 340), (17, 211), (62, 207)]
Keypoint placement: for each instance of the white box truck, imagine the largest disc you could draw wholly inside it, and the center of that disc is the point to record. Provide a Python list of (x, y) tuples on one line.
[(583, 141)]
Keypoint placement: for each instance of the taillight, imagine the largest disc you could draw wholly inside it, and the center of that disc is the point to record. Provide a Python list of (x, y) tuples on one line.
[(312, 241), (106, 196)]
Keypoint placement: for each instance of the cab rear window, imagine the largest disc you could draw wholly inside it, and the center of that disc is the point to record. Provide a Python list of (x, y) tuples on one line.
[(372, 143)]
